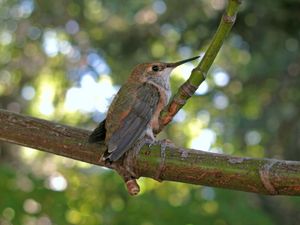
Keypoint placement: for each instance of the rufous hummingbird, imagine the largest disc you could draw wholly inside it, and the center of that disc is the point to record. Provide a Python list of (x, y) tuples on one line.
[(135, 109)]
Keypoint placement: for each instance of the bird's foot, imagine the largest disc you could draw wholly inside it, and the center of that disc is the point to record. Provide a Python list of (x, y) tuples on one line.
[(165, 143), (146, 140)]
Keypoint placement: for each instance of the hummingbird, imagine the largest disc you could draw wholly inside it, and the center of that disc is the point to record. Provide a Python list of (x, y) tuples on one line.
[(134, 111)]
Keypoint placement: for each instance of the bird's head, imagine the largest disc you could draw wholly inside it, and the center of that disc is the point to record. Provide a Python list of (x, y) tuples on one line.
[(157, 72)]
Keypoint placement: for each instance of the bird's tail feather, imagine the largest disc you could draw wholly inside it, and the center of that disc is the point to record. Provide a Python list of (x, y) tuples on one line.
[(98, 135)]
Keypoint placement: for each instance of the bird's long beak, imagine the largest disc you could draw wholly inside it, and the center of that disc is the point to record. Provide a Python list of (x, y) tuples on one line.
[(173, 65)]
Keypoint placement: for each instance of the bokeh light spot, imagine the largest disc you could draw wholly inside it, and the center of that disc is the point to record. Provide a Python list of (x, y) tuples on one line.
[(252, 137), (5, 38), (185, 51), (34, 33), (14, 107), (221, 78), (24, 9), (65, 47), (91, 95), (8, 213), (217, 4), (72, 27), (204, 140), (183, 71), (235, 87), (292, 44), (220, 101), (57, 182), (31, 206), (180, 116), (179, 196), (159, 7), (208, 193), (203, 88), (73, 216), (43, 220), (158, 50), (98, 63), (204, 116), (24, 183), (46, 108), (50, 43), (145, 16), (210, 207), (28, 92)]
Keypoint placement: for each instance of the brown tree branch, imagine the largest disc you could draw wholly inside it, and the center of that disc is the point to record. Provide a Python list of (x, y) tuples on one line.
[(264, 176)]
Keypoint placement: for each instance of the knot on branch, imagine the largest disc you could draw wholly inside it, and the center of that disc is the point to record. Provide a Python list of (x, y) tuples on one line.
[(229, 19), (184, 93), (199, 71), (125, 167), (132, 187), (187, 90)]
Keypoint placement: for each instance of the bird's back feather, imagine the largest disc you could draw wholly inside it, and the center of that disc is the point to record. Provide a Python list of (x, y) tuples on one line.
[(133, 126)]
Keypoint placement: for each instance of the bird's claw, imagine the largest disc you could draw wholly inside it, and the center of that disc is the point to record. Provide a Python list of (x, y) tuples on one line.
[(163, 145)]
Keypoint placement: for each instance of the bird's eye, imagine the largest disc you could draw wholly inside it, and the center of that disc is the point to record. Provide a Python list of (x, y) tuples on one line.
[(155, 68)]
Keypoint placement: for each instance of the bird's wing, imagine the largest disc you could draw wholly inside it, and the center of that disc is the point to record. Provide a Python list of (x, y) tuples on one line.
[(134, 124)]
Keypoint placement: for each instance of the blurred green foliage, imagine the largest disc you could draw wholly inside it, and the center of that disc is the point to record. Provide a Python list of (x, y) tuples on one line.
[(64, 61)]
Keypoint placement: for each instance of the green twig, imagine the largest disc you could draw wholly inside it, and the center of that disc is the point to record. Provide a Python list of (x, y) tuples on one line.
[(198, 74)]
